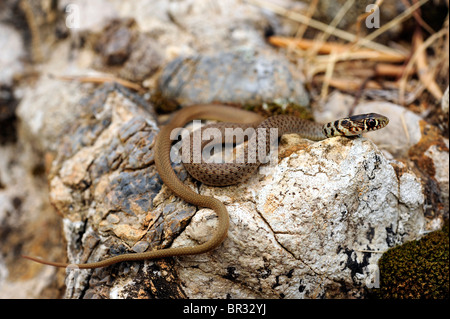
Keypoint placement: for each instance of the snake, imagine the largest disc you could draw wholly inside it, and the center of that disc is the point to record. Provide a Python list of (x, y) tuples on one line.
[(224, 174)]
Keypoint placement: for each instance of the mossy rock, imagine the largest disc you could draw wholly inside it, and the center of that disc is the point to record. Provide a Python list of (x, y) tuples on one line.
[(417, 269)]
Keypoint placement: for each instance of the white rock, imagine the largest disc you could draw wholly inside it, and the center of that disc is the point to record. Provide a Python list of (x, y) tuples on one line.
[(444, 102), (48, 109), (402, 132), (321, 218), (84, 15), (336, 106), (11, 54), (405, 137)]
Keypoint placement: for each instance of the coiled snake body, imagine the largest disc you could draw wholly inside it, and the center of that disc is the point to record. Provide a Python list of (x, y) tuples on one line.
[(221, 174)]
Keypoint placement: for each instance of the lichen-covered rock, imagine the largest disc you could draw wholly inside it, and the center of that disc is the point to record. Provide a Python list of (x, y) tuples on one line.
[(103, 181)]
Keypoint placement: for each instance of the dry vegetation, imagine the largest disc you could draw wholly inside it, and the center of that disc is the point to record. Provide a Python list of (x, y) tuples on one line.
[(411, 71)]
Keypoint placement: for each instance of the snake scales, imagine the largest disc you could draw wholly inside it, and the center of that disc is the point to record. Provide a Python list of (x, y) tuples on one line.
[(221, 174)]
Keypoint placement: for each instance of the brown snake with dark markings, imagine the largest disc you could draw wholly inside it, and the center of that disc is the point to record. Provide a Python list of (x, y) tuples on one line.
[(222, 174)]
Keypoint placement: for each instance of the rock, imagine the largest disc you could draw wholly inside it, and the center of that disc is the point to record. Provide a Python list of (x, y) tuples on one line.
[(325, 211), (444, 102), (315, 228), (115, 41), (182, 25), (28, 223), (144, 61), (402, 132), (434, 162), (411, 138), (243, 77), (312, 226), (11, 63), (327, 11), (337, 106), (124, 51), (104, 166), (8, 118), (87, 16), (46, 111)]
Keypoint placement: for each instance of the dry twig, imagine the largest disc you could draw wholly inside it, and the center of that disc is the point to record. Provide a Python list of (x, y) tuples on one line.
[(296, 16), (100, 79), (419, 50), (347, 51), (324, 56), (398, 19), (426, 75)]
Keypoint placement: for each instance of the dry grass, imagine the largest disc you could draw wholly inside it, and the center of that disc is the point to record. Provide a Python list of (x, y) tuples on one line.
[(101, 79), (407, 70)]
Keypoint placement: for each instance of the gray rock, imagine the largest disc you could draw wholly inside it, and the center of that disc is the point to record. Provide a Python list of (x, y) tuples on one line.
[(242, 77)]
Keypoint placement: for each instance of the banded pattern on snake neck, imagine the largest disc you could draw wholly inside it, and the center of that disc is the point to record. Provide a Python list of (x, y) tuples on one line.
[(230, 173)]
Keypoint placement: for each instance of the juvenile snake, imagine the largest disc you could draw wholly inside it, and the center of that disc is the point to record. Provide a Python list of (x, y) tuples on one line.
[(221, 174)]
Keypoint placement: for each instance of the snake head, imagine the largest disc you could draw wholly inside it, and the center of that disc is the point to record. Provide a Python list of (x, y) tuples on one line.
[(356, 125)]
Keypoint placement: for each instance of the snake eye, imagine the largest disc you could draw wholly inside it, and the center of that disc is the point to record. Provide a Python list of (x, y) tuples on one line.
[(371, 123)]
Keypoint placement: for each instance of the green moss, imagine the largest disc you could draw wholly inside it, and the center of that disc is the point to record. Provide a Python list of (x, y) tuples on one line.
[(417, 269), (281, 106)]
